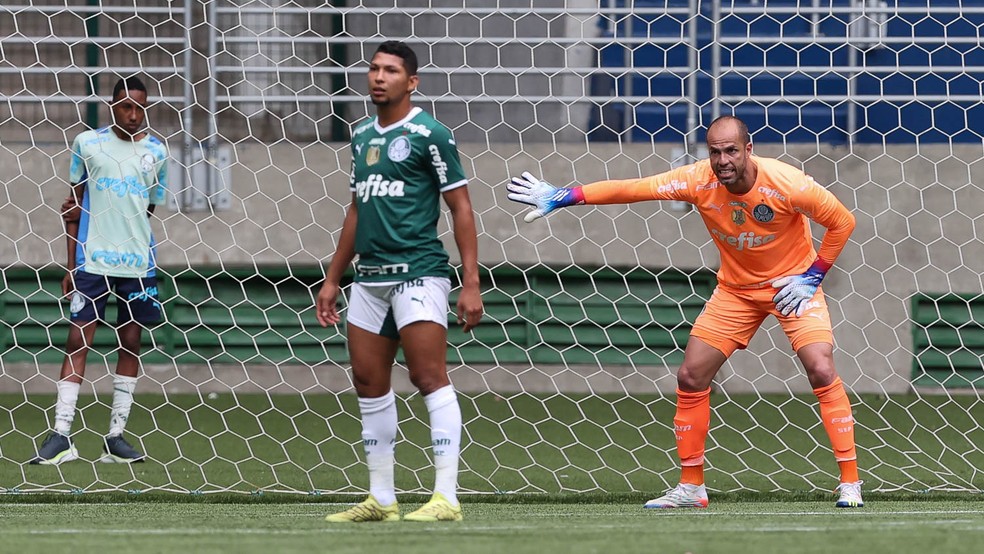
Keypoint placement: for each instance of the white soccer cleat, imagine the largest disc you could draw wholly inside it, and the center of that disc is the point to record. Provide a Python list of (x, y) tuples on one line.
[(685, 495), (850, 495)]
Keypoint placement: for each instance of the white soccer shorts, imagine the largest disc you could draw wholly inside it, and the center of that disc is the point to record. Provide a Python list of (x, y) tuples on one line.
[(385, 308)]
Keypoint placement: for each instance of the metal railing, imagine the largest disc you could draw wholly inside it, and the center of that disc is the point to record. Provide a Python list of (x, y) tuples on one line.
[(210, 78)]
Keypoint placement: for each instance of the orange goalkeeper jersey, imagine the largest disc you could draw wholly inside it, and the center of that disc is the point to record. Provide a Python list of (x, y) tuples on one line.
[(763, 234)]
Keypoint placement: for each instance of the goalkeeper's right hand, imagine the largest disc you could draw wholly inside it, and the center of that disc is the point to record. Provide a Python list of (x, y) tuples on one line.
[(543, 196)]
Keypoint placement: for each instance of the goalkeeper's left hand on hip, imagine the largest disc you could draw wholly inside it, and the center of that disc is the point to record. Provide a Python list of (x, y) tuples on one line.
[(795, 291), (543, 196)]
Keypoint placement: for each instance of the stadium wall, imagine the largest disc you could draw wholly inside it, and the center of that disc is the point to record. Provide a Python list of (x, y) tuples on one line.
[(287, 200)]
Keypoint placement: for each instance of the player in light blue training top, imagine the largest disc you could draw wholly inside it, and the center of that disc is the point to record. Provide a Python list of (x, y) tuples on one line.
[(118, 175)]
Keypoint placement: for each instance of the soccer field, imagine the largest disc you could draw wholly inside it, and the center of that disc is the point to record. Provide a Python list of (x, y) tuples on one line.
[(731, 527), (599, 444)]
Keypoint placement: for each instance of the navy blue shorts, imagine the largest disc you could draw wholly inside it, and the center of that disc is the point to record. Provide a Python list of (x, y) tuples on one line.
[(136, 298)]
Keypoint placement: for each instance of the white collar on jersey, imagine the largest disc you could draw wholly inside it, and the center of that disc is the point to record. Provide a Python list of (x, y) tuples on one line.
[(413, 113)]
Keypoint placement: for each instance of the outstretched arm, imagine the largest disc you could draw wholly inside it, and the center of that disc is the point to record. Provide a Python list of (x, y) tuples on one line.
[(544, 197)]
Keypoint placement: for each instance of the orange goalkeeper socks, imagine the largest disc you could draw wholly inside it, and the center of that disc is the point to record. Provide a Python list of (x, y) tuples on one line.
[(835, 412), (690, 425)]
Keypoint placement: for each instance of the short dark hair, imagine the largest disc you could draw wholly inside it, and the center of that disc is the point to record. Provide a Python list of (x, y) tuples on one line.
[(128, 84), (743, 134), (402, 51)]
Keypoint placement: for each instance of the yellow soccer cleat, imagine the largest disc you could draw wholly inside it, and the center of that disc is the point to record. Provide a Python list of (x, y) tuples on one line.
[(437, 509), (368, 510)]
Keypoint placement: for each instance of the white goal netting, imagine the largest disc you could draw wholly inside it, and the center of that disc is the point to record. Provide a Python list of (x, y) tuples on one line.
[(568, 384)]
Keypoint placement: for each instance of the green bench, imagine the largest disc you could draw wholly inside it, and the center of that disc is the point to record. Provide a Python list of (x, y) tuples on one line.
[(265, 316)]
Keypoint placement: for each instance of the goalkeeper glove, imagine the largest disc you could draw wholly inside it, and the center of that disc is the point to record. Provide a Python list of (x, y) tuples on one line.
[(795, 291), (541, 195)]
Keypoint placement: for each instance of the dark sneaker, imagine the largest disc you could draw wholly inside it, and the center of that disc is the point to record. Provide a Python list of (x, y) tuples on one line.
[(56, 449), (117, 451)]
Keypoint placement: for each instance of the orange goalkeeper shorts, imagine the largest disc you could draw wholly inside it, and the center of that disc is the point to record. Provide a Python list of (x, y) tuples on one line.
[(732, 316)]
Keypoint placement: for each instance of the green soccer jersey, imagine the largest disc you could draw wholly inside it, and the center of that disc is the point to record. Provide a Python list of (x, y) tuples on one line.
[(398, 175)]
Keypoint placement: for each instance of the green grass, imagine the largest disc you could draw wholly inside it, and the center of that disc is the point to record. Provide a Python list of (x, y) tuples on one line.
[(553, 445), (762, 528)]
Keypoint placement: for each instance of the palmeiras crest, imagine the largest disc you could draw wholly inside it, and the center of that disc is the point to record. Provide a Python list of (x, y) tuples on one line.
[(763, 213), (399, 149)]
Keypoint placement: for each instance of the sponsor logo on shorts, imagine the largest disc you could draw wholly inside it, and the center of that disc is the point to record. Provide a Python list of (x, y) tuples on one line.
[(412, 283), (149, 294)]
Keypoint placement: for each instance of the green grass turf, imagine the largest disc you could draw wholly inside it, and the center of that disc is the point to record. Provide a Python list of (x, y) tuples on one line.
[(762, 528), (554, 445)]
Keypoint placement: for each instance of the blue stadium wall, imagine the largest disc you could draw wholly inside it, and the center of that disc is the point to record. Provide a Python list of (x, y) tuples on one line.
[(909, 121)]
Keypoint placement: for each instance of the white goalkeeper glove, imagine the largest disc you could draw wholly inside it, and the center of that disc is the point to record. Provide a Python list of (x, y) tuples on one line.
[(795, 291), (543, 196)]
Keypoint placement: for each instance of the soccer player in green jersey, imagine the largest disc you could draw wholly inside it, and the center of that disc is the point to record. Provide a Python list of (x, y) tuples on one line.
[(403, 162), (118, 174)]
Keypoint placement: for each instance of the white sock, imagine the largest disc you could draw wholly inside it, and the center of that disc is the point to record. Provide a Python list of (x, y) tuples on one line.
[(122, 401), (445, 422), (68, 397), (379, 440)]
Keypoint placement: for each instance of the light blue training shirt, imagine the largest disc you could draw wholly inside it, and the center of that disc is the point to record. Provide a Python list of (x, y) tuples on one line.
[(122, 179)]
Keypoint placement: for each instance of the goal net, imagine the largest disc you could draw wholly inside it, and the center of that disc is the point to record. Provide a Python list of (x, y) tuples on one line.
[(568, 385)]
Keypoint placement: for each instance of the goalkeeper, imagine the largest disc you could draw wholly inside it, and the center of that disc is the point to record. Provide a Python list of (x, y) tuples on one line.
[(758, 211)]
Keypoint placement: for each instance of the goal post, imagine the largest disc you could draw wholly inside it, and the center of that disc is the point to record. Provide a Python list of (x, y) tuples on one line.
[(568, 384)]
